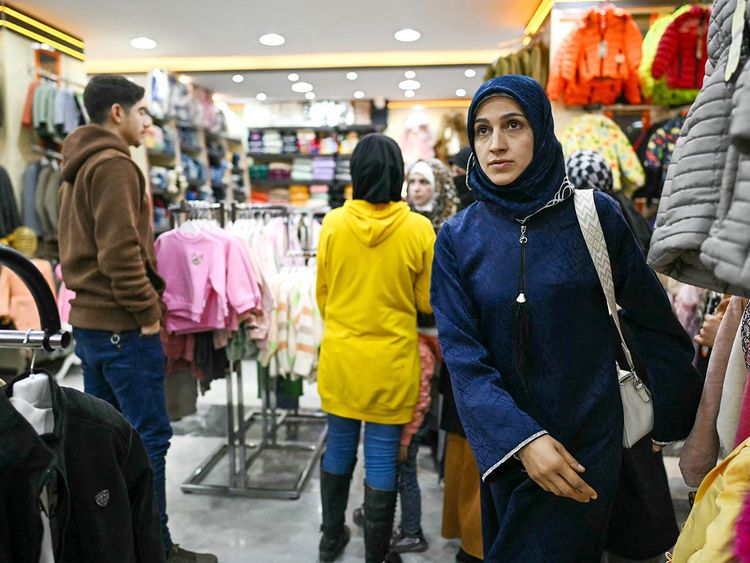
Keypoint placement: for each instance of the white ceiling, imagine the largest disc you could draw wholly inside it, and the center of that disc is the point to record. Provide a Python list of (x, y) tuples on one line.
[(195, 28), (436, 83), (232, 27)]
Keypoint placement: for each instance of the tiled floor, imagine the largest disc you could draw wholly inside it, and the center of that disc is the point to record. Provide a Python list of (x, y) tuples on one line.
[(243, 530)]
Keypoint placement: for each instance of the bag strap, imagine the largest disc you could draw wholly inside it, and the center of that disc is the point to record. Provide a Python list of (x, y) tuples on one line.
[(588, 219)]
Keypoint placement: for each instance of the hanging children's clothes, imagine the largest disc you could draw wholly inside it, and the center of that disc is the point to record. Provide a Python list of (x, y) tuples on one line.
[(599, 133), (9, 217), (599, 60), (732, 394), (682, 51), (16, 300), (210, 283)]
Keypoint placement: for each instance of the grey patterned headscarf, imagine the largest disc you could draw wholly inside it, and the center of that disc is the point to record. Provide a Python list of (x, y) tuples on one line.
[(587, 170), (444, 197)]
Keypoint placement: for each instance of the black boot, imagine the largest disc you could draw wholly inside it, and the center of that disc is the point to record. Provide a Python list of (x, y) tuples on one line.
[(380, 508), (334, 495)]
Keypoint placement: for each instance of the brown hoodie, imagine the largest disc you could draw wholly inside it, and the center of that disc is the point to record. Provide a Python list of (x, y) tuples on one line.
[(106, 237)]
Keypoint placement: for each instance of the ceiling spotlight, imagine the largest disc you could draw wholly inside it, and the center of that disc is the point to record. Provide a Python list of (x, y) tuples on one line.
[(410, 93), (352, 76), (238, 79), (410, 74), (470, 73), (272, 40), (293, 77), (359, 94), (310, 95), (143, 43), (461, 93), (409, 85), (407, 35), (261, 96), (302, 87)]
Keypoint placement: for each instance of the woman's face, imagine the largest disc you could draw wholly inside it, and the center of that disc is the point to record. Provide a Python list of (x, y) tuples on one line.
[(503, 140), (420, 189)]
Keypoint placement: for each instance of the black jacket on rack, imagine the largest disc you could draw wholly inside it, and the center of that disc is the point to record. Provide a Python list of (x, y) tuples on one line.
[(9, 216), (97, 474)]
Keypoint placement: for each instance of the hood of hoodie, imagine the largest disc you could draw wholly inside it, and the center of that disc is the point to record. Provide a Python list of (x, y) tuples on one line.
[(85, 142), (373, 224)]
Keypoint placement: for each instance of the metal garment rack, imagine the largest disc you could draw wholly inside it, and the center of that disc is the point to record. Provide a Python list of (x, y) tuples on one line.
[(244, 456), (51, 337), (194, 210)]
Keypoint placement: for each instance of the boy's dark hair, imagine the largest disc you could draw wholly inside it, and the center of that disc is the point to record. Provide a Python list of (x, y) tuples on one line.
[(105, 90)]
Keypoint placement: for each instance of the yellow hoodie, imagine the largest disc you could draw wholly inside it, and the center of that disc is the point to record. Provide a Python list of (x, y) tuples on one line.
[(374, 266)]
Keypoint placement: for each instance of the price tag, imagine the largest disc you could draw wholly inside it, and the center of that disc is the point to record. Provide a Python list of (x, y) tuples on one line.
[(738, 29), (603, 49), (620, 59)]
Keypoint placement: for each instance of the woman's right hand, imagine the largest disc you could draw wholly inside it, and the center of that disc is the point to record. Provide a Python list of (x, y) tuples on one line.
[(552, 467)]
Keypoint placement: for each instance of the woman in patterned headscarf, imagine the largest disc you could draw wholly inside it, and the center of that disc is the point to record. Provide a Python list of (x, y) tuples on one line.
[(431, 191)]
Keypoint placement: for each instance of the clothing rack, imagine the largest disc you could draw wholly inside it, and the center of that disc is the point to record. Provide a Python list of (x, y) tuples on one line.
[(47, 152), (51, 337), (50, 76), (196, 210), (250, 471)]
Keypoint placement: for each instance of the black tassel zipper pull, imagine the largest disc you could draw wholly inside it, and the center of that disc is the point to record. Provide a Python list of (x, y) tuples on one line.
[(521, 318)]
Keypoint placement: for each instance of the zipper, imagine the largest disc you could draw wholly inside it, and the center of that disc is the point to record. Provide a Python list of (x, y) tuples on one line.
[(523, 240)]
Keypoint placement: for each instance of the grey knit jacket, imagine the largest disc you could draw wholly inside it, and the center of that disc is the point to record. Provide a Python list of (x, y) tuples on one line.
[(702, 234)]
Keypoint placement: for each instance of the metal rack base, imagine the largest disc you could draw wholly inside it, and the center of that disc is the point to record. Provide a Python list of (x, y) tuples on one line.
[(250, 466)]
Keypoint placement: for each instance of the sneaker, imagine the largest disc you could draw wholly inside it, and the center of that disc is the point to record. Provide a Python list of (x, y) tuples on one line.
[(463, 557), (180, 555), (403, 543)]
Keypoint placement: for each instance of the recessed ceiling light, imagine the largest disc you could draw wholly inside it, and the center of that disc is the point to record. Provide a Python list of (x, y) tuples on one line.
[(261, 97), (409, 85), (143, 43), (238, 79), (407, 35), (410, 74), (310, 95), (410, 93), (293, 77), (359, 94), (302, 87), (470, 73), (352, 76), (272, 39), (460, 92)]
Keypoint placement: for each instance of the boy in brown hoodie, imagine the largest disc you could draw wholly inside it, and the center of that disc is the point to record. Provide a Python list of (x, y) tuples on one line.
[(107, 258)]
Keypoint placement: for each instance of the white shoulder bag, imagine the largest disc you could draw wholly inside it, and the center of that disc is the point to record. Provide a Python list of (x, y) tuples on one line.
[(637, 406)]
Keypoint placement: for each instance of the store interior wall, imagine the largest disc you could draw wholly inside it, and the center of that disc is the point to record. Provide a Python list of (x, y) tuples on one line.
[(16, 74)]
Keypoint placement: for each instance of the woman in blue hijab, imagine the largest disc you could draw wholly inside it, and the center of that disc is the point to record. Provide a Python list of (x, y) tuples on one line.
[(529, 344)]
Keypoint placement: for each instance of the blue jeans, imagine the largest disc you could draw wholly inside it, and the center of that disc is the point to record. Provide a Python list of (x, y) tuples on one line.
[(381, 450), (409, 491), (127, 371)]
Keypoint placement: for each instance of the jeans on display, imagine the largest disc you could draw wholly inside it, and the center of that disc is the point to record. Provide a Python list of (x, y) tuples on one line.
[(381, 450), (409, 491), (127, 371)]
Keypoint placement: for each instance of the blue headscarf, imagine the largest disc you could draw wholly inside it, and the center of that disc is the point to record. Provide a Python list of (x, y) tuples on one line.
[(541, 181)]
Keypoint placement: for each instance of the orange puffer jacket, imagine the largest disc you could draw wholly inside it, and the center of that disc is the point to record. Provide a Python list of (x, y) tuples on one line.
[(599, 60)]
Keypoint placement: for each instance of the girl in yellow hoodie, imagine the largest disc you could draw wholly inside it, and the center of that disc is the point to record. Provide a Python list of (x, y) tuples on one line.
[(374, 264)]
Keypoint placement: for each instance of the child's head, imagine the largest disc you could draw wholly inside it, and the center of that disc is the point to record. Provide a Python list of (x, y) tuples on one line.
[(421, 185)]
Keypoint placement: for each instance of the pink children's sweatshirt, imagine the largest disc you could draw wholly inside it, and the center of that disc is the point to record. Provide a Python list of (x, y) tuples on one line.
[(429, 355), (209, 280)]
